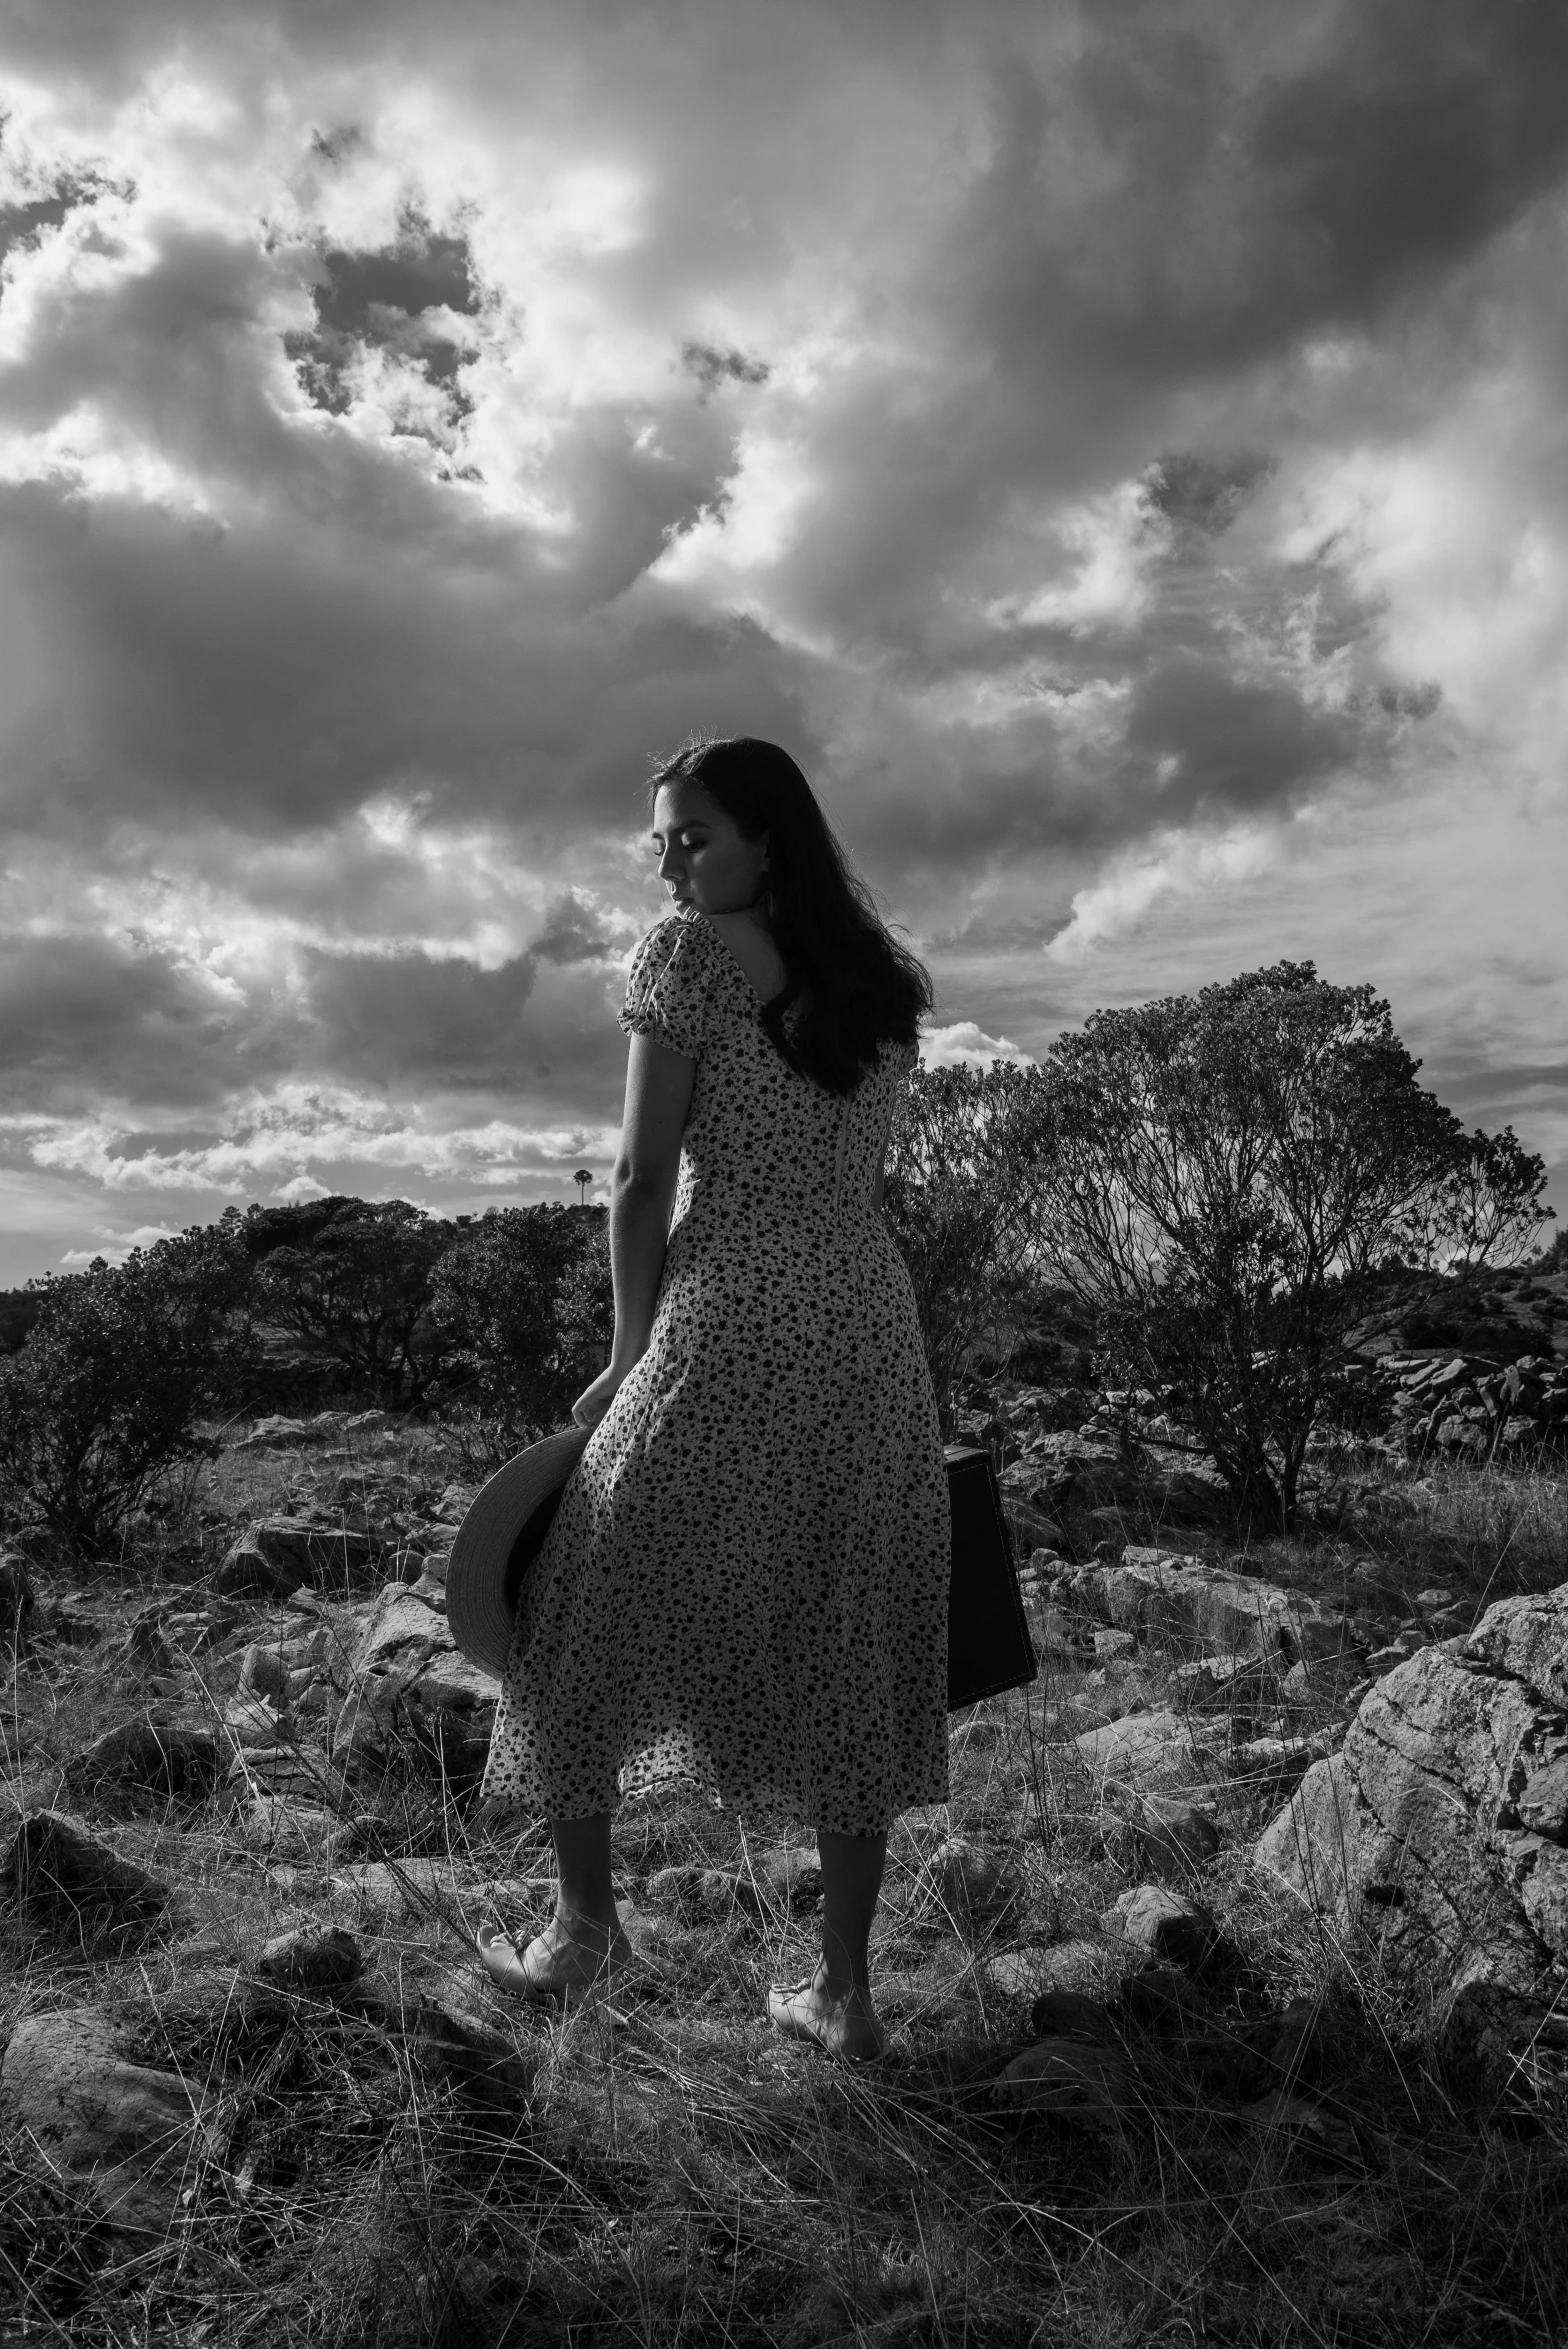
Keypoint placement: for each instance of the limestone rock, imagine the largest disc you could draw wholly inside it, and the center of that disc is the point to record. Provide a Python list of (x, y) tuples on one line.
[(311, 1957), (282, 1553), (411, 1679), (1111, 1647), (1173, 1833), (965, 1880), (1143, 1753), (1069, 2080), (136, 2135), (248, 1573), (57, 1868), (1183, 1601), (280, 1433), (158, 1751), (1069, 2014), (1443, 1814), (1168, 1926), (264, 1673), (1087, 1967)]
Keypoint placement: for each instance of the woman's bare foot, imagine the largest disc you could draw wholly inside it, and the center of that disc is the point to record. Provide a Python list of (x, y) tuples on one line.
[(572, 1956), (846, 2026)]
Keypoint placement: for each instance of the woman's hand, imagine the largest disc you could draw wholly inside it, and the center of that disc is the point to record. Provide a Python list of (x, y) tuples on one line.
[(592, 1404)]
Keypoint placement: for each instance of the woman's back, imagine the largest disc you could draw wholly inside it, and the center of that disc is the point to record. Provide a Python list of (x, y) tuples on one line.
[(762, 1140)]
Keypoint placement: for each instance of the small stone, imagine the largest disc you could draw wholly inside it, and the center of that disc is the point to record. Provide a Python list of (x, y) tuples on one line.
[(246, 1573), (1069, 2081), (263, 1673), (311, 1957), (1168, 1925), (1173, 1832), (1112, 1647), (1090, 1968), (1069, 2014), (964, 1878), (1056, 1633)]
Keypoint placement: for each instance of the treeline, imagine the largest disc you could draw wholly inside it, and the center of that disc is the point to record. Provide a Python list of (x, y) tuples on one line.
[(1228, 1192), (122, 1367)]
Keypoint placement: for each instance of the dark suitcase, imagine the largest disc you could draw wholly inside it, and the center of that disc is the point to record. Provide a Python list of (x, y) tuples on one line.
[(988, 1643)]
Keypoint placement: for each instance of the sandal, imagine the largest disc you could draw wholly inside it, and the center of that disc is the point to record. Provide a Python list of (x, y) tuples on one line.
[(793, 2011), (556, 1964)]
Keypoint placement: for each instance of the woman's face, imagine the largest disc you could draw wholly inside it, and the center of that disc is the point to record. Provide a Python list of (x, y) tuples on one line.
[(704, 860)]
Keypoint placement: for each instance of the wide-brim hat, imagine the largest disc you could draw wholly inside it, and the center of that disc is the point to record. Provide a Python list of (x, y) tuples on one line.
[(506, 1522)]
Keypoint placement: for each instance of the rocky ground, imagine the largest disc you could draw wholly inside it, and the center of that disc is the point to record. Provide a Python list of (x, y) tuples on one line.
[(1225, 1996)]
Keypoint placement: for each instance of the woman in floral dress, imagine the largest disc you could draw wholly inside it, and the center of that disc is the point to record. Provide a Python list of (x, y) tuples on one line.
[(746, 1581)]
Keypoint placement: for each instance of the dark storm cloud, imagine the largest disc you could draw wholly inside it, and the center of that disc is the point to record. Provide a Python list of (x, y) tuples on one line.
[(421, 417), (1227, 198), (419, 1018), (89, 1020)]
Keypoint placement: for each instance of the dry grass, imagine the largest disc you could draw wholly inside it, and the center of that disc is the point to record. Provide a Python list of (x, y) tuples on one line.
[(661, 2170)]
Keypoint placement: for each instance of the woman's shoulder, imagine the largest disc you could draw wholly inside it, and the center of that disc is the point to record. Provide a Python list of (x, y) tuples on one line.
[(677, 961), (682, 941)]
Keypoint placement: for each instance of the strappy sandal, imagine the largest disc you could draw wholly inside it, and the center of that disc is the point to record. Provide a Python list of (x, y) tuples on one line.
[(792, 2016), (543, 1974)]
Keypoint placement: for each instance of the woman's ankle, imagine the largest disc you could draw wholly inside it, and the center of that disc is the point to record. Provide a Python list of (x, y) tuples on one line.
[(839, 1987), (587, 1923)]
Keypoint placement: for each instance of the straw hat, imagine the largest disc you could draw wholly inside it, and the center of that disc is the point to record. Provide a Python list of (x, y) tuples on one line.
[(506, 1522)]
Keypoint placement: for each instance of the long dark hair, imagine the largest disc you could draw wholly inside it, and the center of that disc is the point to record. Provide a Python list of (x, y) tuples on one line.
[(863, 988)]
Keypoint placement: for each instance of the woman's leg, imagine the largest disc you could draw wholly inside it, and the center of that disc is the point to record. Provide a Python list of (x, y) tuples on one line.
[(852, 1868), (582, 1866), (583, 1942), (835, 2006)]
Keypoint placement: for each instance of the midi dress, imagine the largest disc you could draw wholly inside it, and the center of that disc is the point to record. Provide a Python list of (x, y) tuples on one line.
[(746, 1581)]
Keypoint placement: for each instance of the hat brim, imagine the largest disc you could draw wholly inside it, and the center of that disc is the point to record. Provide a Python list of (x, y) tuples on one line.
[(506, 1522)]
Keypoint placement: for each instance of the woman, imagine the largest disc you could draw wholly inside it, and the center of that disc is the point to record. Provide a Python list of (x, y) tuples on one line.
[(746, 1581)]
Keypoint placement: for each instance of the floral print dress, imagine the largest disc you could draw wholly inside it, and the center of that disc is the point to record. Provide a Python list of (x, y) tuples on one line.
[(746, 1581)]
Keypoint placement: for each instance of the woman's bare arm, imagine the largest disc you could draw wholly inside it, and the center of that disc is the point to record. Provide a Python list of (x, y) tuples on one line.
[(642, 1188)]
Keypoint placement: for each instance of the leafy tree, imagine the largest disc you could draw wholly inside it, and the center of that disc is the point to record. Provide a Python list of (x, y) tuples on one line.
[(354, 1286), (18, 1312), (103, 1396), (1229, 1179), (957, 1204), (520, 1298)]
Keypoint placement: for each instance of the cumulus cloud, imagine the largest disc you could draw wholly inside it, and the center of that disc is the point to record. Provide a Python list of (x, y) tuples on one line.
[(1119, 451), (965, 1043)]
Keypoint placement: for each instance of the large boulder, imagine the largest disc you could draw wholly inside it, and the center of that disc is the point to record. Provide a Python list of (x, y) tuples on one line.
[(410, 1679), (1185, 1603), (57, 1869), (1443, 1819), (136, 2136), (159, 1751), (277, 1555)]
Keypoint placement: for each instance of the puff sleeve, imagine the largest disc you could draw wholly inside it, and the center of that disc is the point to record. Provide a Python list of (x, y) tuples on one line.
[(668, 987)]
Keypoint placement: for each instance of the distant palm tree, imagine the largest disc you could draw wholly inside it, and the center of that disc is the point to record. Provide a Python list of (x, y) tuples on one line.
[(582, 1178)]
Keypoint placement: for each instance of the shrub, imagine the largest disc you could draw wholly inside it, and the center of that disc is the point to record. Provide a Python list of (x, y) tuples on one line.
[(1240, 1182), (103, 1397), (523, 1299), (355, 1287), (957, 1204)]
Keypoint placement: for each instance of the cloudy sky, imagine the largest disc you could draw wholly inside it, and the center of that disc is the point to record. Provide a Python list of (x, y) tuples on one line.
[(1119, 448)]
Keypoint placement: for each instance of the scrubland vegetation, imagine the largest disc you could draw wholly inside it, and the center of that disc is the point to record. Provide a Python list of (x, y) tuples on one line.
[(1138, 2090)]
